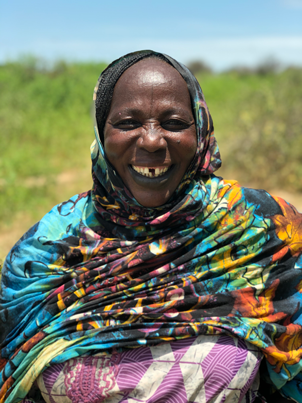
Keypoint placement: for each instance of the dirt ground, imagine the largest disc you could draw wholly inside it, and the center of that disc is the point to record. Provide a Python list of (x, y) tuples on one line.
[(10, 235)]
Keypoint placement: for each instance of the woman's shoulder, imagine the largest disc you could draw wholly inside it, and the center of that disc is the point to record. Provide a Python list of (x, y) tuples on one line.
[(264, 203), (62, 218), (61, 222)]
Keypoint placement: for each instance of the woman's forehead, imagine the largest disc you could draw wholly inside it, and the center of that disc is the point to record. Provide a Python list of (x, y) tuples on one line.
[(151, 78), (151, 71)]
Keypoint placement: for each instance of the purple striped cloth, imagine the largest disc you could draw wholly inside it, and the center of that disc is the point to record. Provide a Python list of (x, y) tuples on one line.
[(205, 369)]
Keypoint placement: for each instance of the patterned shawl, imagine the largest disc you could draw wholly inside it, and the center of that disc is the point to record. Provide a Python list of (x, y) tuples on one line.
[(100, 271)]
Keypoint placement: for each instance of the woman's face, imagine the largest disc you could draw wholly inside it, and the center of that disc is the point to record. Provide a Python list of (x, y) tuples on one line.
[(150, 135)]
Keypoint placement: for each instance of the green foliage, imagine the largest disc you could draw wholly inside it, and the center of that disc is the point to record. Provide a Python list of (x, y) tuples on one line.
[(258, 124), (198, 67), (46, 129), (270, 154)]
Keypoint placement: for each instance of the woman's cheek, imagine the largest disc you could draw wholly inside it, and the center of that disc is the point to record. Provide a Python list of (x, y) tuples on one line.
[(118, 143)]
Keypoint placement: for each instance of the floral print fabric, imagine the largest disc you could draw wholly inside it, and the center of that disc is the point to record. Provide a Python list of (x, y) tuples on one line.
[(99, 271)]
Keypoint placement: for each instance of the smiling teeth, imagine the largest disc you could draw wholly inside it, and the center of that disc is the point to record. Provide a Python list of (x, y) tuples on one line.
[(150, 172)]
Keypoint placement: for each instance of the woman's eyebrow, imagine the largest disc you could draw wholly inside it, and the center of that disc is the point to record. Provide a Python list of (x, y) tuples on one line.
[(178, 111), (166, 112), (127, 111)]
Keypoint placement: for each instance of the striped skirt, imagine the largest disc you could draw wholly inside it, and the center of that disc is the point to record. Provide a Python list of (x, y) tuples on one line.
[(203, 369)]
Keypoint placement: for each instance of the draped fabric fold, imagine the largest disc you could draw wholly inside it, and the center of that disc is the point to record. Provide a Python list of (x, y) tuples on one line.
[(100, 271)]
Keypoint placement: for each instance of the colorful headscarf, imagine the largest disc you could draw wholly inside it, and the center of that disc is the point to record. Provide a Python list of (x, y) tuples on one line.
[(100, 271)]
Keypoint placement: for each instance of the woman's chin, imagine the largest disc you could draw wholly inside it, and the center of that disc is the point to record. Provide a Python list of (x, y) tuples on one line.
[(152, 192), (151, 199)]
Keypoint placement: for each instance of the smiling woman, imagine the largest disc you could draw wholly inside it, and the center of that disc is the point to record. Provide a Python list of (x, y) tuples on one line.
[(150, 134), (164, 283)]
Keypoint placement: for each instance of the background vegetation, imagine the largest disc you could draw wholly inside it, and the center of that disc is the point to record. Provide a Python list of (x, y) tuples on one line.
[(46, 131)]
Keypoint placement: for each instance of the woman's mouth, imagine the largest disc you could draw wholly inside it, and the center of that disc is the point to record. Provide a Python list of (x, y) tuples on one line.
[(151, 177), (150, 172)]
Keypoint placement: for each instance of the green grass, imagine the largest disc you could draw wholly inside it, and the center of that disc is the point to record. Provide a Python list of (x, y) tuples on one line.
[(46, 129), (258, 124)]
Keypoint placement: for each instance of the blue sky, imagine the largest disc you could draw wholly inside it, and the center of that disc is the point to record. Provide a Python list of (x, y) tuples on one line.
[(223, 33)]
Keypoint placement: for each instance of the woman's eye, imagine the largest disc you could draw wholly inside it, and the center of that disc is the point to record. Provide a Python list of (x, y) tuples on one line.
[(175, 125), (127, 125)]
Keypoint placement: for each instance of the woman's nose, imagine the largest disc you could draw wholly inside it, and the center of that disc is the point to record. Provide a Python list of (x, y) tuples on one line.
[(152, 139)]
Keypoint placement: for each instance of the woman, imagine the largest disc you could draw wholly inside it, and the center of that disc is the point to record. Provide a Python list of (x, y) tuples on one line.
[(164, 283)]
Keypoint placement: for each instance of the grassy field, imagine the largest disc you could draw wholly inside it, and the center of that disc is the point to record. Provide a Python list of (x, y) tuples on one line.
[(46, 131)]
